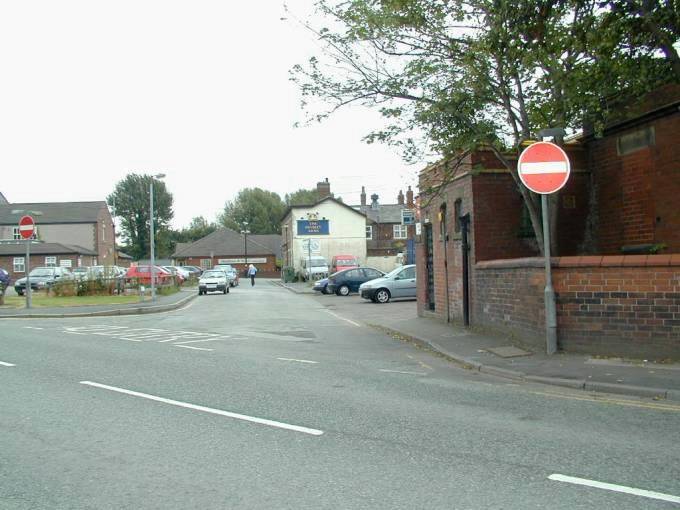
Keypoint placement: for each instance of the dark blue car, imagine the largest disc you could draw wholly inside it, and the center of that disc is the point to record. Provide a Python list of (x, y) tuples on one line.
[(4, 279), (344, 282)]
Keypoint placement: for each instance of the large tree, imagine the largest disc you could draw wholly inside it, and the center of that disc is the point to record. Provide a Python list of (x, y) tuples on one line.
[(130, 203), (451, 76), (302, 197), (261, 209)]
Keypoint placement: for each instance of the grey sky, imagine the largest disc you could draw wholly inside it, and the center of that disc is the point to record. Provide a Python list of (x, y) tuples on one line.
[(198, 90)]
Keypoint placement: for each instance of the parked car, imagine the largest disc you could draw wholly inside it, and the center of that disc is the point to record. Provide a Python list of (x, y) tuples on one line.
[(142, 275), (321, 286), (213, 280), (400, 283), (179, 275), (233, 276), (229, 270), (4, 280), (81, 273), (193, 270), (341, 262), (344, 282), (42, 278), (314, 268)]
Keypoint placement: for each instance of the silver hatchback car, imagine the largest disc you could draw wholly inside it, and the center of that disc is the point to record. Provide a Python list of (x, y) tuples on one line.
[(400, 283)]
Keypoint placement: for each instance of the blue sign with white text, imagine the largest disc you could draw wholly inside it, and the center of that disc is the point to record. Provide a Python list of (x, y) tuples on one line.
[(312, 228)]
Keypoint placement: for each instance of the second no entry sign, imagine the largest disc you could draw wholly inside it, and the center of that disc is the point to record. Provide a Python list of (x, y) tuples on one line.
[(543, 167)]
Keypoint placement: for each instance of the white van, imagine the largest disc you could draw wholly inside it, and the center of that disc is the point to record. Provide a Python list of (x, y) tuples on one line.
[(314, 268)]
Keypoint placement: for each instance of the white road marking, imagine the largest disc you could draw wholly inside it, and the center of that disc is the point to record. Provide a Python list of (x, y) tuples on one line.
[(401, 372), (298, 360), (261, 421), (194, 348), (616, 488), (343, 319), (4, 364), (224, 337), (32, 327)]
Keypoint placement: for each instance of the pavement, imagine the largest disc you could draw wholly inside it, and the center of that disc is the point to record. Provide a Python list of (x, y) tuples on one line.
[(512, 360), (162, 304)]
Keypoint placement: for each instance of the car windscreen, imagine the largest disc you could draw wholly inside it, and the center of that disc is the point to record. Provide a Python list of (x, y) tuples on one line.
[(394, 272), (319, 263), (346, 262), (213, 274), (42, 271)]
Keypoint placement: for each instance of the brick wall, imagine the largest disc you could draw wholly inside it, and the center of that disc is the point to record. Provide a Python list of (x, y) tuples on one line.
[(267, 270), (612, 305)]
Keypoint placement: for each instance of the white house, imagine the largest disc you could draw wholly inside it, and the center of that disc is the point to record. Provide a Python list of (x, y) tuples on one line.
[(326, 228)]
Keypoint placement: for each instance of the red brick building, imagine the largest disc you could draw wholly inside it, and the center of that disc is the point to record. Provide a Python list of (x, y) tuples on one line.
[(13, 257), (618, 275), (225, 246)]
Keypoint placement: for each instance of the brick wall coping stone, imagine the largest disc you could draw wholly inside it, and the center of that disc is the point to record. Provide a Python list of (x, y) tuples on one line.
[(585, 261)]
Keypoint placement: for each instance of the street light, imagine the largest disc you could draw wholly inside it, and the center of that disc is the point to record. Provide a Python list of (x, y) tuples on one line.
[(152, 243), (27, 265), (245, 233)]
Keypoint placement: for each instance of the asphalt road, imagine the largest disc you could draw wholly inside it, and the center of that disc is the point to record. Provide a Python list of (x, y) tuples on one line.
[(266, 399)]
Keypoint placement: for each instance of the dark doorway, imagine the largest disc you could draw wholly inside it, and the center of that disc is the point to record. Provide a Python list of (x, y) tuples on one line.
[(429, 249)]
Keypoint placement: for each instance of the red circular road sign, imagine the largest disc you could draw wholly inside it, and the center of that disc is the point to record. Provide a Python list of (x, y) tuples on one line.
[(543, 167), (26, 227)]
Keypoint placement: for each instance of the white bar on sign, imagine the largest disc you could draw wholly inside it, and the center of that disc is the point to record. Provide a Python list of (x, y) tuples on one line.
[(544, 167)]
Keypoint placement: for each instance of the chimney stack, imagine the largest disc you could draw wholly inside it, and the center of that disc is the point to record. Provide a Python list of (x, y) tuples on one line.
[(363, 196), (374, 201), (400, 198), (323, 188), (409, 198)]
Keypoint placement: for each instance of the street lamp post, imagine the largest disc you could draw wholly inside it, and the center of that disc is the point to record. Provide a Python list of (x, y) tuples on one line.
[(152, 239), (245, 233)]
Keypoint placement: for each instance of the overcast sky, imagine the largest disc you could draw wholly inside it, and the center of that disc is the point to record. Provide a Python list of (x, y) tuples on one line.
[(198, 90)]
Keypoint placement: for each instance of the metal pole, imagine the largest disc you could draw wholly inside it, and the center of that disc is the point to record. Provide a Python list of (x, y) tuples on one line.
[(549, 294), (27, 268), (245, 244), (153, 257)]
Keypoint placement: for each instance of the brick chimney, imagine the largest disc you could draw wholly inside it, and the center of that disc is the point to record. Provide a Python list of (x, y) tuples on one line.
[(374, 201), (363, 196), (323, 188), (400, 198), (409, 197)]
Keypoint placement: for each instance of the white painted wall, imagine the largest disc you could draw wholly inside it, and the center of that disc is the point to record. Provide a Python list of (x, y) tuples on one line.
[(347, 232)]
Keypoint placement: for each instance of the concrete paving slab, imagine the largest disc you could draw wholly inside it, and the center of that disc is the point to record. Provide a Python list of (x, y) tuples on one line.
[(509, 351)]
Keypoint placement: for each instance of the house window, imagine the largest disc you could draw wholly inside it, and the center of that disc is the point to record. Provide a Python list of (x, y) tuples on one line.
[(18, 265), (51, 261), (400, 231), (206, 263), (457, 212), (66, 263), (369, 232)]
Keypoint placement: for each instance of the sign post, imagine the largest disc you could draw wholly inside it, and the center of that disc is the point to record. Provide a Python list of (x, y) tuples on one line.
[(26, 230), (544, 168)]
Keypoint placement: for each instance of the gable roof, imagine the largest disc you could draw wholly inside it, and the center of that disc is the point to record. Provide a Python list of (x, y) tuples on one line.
[(223, 241), (3, 200), (385, 213), (19, 249), (54, 212), (325, 199)]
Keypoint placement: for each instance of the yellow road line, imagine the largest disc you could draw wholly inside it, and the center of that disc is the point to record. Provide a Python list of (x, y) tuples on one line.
[(626, 403)]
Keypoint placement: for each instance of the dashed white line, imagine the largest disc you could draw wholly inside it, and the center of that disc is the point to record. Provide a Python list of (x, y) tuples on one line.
[(344, 319), (32, 327), (252, 419), (194, 348), (616, 488), (4, 364), (298, 360), (401, 372), (199, 341)]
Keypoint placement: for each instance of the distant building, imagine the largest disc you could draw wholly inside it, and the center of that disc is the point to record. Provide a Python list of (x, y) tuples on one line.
[(13, 257), (87, 226), (226, 246)]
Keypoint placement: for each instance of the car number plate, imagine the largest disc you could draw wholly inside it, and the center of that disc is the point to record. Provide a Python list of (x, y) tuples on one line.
[(212, 285)]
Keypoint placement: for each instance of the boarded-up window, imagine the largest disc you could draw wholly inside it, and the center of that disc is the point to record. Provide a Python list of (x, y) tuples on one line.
[(632, 142)]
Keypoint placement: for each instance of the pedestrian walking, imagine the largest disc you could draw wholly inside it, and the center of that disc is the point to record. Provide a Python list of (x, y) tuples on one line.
[(252, 271)]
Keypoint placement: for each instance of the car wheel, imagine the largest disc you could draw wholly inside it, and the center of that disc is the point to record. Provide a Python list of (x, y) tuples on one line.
[(226, 289), (324, 290), (343, 290), (200, 292), (20, 292), (382, 296)]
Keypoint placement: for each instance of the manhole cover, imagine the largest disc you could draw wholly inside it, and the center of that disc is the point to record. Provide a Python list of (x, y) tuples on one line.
[(508, 351)]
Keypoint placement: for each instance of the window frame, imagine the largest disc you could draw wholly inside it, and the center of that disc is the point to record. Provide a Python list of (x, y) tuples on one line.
[(369, 232), (16, 263), (401, 230), (51, 260)]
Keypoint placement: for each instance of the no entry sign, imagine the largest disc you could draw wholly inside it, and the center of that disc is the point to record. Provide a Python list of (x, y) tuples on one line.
[(543, 167), (26, 227)]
